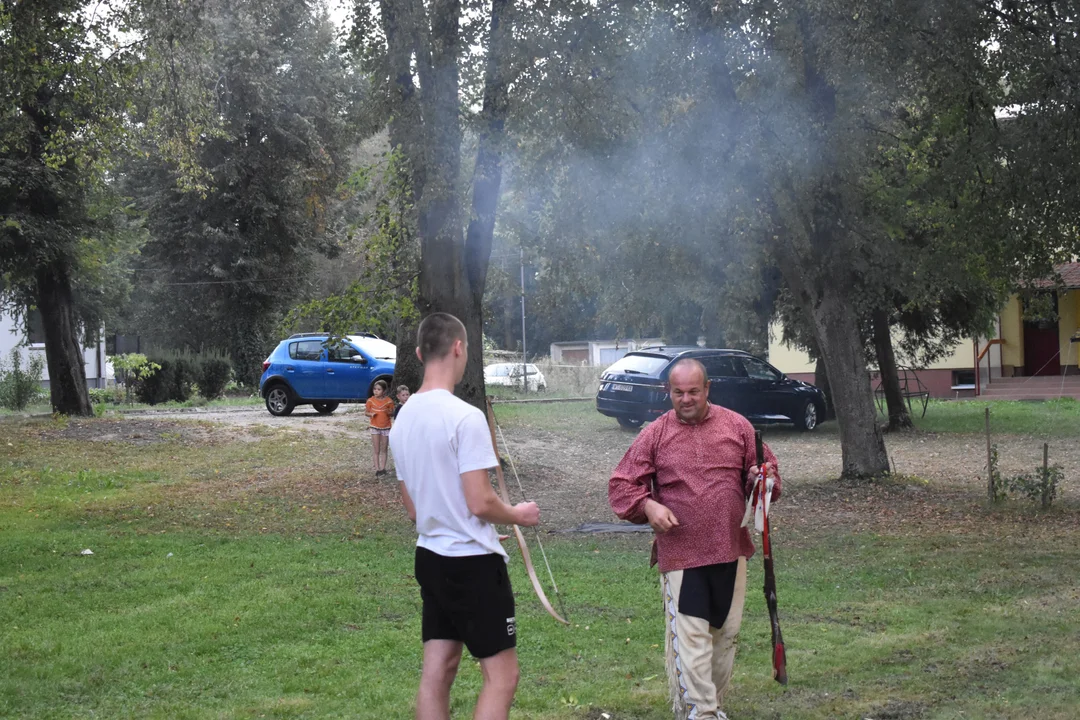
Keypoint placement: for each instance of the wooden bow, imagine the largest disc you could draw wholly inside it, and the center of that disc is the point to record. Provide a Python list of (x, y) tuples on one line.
[(517, 531)]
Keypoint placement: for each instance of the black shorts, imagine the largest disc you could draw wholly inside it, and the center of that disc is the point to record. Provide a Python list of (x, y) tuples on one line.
[(707, 592), (467, 599)]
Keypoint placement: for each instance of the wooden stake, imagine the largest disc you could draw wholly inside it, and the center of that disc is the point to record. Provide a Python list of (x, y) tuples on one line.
[(1046, 476), (989, 464)]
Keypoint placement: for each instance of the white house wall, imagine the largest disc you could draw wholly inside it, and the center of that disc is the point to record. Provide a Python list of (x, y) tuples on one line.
[(98, 368)]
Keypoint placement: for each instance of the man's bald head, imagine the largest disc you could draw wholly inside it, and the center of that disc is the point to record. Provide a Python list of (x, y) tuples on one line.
[(688, 386), (686, 370)]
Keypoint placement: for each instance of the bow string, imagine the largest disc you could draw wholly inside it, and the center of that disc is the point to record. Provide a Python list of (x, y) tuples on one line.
[(494, 427)]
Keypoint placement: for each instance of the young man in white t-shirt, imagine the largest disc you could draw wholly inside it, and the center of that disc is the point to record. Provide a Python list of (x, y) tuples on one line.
[(442, 452)]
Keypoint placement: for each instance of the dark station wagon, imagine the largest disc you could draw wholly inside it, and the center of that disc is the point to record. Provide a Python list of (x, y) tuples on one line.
[(633, 390)]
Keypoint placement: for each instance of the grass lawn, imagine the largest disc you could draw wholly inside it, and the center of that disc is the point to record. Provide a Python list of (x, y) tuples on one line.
[(254, 575), (1052, 418)]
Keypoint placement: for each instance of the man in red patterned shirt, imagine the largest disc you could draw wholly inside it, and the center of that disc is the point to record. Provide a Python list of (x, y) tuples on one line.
[(688, 475)]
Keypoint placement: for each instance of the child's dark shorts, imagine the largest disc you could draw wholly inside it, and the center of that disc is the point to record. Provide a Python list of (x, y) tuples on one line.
[(467, 599)]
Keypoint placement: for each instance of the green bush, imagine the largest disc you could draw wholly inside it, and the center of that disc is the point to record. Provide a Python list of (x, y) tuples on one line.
[(156, 388), (134, 369), (181, 373), (184, 376), (20, 386), (101, 395), (215, 372)]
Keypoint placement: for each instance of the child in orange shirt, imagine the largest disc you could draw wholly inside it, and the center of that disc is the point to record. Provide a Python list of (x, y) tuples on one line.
[(378, 409)]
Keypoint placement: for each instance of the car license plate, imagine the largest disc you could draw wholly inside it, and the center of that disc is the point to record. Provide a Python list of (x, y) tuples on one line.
[(621, 387)]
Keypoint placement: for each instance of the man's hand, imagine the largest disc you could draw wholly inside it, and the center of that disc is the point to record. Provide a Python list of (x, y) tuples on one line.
[(661, 519), (528, 514), (770, 470), (770, 478)]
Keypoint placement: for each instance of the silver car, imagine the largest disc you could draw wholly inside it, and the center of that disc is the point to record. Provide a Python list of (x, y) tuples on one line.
[(509, 375)]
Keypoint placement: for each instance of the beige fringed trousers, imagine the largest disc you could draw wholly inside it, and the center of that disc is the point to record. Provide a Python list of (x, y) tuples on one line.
[(699, 657)]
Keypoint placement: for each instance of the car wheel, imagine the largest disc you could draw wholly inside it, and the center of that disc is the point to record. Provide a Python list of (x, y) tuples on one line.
[(325, 408), (279, 400), (630, 423), (808, 418)]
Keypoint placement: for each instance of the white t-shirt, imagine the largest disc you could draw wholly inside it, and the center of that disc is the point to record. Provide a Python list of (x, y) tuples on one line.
[(435, 439)]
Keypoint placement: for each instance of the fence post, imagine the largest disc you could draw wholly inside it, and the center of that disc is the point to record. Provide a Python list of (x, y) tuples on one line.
[(1046, 476), (989, 462)]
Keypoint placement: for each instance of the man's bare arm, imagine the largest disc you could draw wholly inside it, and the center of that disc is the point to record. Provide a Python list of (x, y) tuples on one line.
[(482, 501), (407, 502)]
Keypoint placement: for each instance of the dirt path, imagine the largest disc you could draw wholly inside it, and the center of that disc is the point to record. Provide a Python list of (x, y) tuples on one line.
[(347, 421)]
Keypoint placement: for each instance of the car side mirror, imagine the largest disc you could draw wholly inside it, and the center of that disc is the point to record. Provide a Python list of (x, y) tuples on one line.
[(359, 359)]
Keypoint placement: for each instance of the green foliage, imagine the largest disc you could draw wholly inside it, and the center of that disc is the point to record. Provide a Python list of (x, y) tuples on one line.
[(382, 299), (1039, 486), (160, 386), (64, 123), (181, 376), (226, 261), (135, 369), (999, 489), (213, 375), (20, 385), (173, 379), (101, 395)]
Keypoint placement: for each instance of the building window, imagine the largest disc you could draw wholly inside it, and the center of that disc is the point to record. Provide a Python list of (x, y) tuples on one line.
[(36, 334), (963, 378)]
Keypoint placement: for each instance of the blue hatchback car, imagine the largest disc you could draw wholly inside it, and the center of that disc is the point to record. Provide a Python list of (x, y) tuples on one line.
[(307, 369)]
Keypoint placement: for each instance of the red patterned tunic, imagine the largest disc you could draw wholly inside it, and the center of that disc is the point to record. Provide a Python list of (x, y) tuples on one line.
[(701, 476)]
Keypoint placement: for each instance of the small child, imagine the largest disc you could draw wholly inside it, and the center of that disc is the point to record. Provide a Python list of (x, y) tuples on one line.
[(402, 393), (378, 409)]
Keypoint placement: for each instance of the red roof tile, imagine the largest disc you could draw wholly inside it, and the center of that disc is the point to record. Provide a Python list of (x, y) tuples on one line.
[(1070, 276)]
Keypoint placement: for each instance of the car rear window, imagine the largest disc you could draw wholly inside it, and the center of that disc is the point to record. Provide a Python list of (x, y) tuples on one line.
[(639, 364), (306, 350)]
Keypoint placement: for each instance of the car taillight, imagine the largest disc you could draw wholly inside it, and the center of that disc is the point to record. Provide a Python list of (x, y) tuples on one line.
[(266, 364)]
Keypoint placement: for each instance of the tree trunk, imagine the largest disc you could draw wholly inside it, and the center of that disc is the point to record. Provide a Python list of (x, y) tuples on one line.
[(486, 186), (836, 327), (63, 352), (890, 379), (453, 269), (863, 447), (821, 380)]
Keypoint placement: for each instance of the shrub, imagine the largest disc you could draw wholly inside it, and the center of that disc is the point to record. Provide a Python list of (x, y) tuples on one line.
[(135, 369), (100, 395), (154, 389), (181, 373), (215, 372), (184, 376), (18, 386), (1040, 486)]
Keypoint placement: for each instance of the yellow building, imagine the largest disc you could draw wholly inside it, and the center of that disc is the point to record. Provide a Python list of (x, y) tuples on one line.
[(1016, 363)]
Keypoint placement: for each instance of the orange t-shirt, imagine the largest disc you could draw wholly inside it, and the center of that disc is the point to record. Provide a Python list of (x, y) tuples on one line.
[(379, 409)]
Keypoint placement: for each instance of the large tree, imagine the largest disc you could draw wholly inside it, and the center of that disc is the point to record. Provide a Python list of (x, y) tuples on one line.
[(228, 257), (62, 112), (421, 55)]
